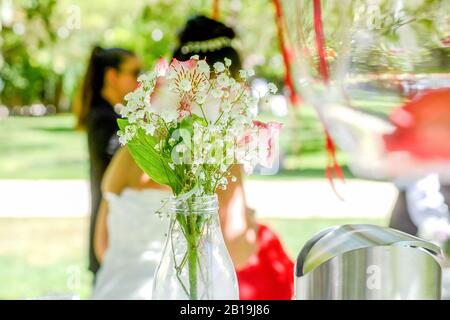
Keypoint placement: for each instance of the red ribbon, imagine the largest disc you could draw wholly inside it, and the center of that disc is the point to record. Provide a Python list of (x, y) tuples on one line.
[(287, 56), (320, 41), (332, 164)]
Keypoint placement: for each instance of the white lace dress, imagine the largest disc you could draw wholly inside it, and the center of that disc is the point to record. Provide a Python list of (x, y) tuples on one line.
[(136, 236)]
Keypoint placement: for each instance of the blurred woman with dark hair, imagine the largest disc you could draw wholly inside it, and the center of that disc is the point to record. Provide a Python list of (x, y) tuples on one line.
[(110, 75), (208, 39)]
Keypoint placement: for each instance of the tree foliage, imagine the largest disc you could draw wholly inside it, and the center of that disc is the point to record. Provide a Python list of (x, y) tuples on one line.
[(45, 46)]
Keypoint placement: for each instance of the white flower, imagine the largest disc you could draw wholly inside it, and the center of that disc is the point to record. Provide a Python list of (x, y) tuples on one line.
[(127, 135), (251, 73), (122, 139), (201, 98), (207, 147), (217, 93), (148, 106), (150, 128), (139, 94), (229, 137), (227, 62), (124, 111), (235, 86), (224, 118), (186, 85), (147, 78), (198, 160), (243, 74), (172, 141), (129, 96), (132, 118), (140, 114), (226, 107), (171, 74), (169, 115), (181, 147), (219, 67), (203, 66), (272, 88), (223, 80), (195, 57), (223, 181)]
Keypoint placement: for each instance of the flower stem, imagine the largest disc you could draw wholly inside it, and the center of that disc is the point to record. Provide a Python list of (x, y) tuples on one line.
[(192, 258), (192, 262)]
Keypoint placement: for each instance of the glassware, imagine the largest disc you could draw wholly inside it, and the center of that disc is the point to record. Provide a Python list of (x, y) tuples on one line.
[(195, 264)]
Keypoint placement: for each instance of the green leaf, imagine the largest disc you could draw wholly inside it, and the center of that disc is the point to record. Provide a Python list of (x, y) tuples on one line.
[(122, 123), (142, 149)]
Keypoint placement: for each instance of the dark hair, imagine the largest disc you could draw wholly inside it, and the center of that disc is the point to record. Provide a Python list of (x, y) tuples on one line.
[(201, 28), (99, 61)]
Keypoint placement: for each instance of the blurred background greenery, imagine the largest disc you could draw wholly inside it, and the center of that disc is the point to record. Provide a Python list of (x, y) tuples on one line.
[(45, 43)]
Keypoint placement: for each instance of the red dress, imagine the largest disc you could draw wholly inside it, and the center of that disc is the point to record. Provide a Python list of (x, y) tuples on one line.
[(269, 273)]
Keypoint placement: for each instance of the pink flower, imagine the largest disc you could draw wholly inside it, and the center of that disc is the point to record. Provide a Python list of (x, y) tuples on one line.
[(164, 102), (267, 134), (178, 86), (181, 72), (257, 145), (161, 67)]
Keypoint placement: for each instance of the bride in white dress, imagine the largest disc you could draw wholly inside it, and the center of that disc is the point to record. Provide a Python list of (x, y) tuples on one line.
[(129, 235)]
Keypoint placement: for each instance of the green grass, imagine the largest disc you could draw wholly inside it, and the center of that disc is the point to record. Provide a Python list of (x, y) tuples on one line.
[(44, 256), (42, 148)]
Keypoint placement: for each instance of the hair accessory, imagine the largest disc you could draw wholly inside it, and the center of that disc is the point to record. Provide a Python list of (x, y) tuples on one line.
[(206, 46)]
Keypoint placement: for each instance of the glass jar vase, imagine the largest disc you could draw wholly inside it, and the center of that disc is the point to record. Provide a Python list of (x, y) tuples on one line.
[(195, 264)]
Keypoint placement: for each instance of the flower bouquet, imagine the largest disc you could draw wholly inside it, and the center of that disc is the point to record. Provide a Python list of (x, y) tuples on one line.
[(185, 126)]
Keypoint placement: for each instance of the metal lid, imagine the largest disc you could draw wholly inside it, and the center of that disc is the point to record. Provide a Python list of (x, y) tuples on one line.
[(339, 240)]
